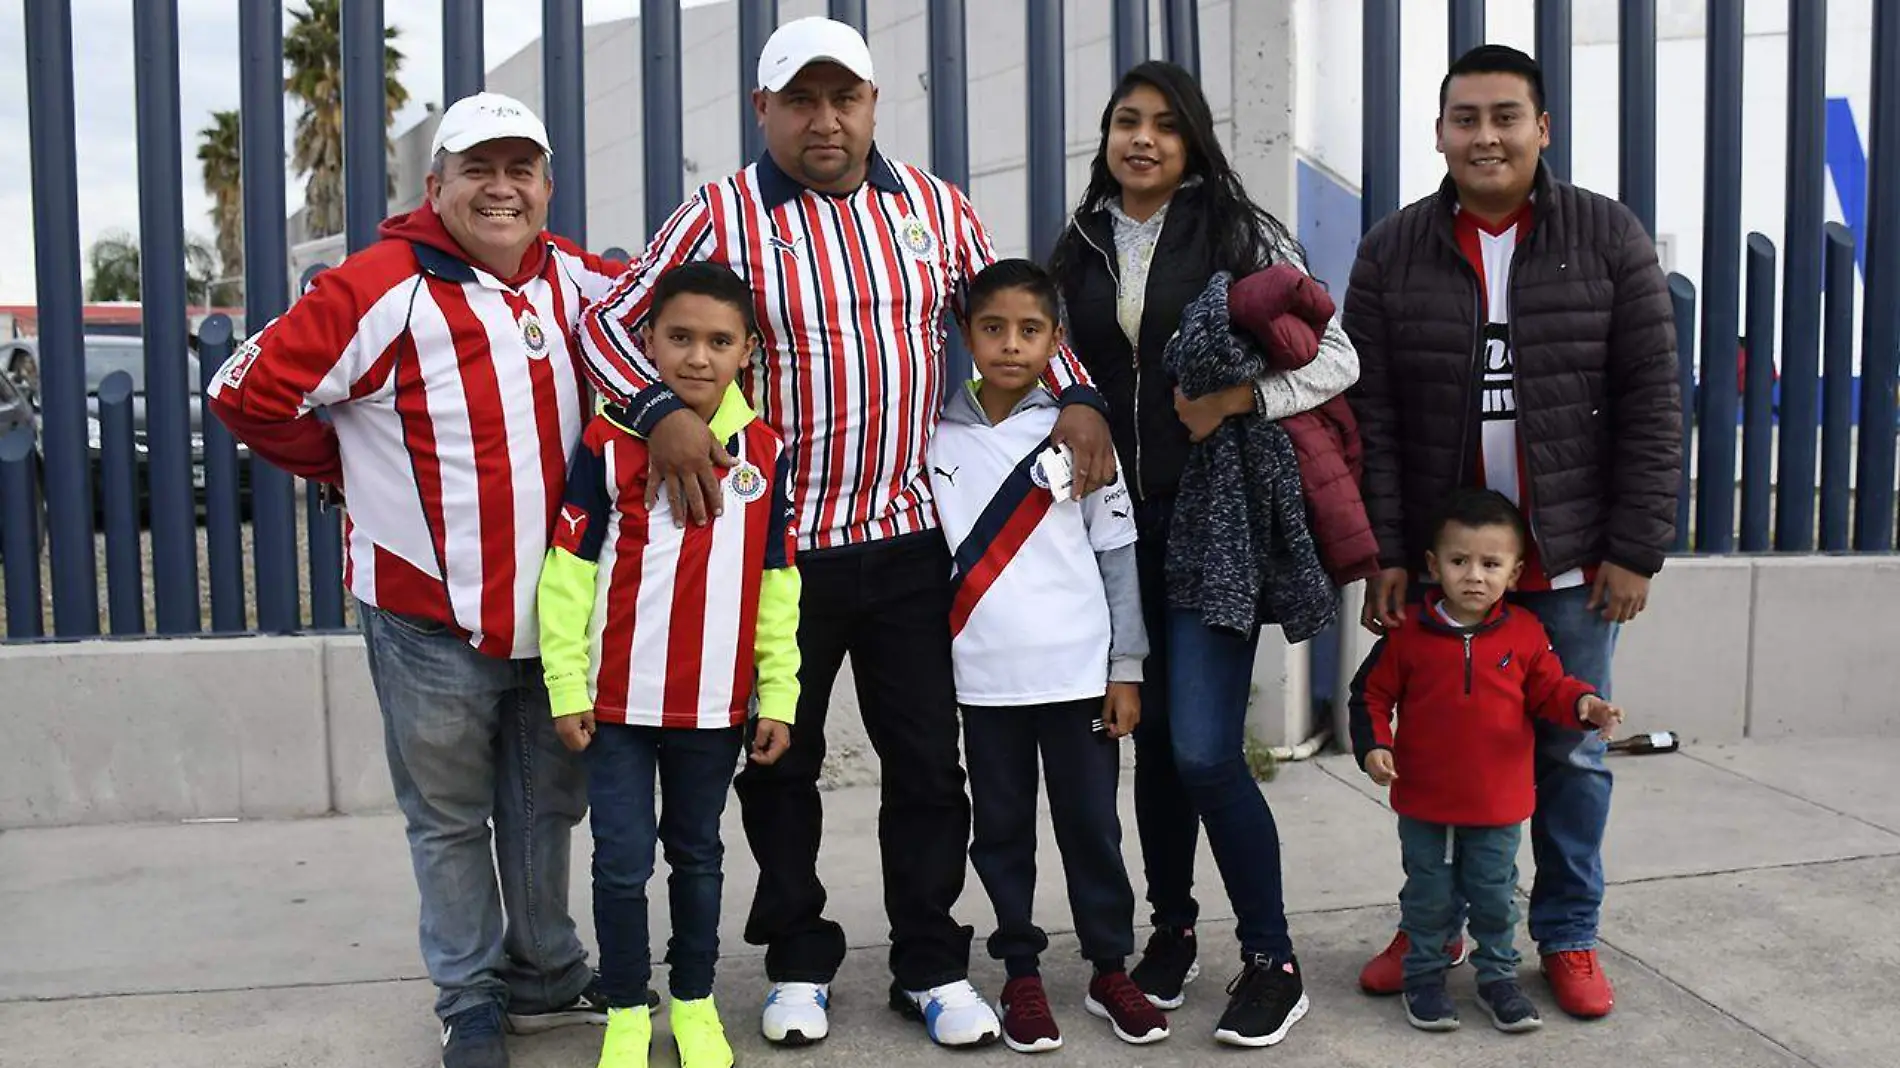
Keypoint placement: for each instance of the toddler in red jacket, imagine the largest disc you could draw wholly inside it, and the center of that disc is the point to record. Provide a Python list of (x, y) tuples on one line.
[(1466, 673)]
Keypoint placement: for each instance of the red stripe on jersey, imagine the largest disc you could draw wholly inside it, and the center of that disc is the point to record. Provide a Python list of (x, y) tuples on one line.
[(614, 675), (686, 630), (547, 408), (872, 447), (400, 587), (378, 375), (760, 449), (494, 477), (1022, 523), (837, 373), (418, 435)]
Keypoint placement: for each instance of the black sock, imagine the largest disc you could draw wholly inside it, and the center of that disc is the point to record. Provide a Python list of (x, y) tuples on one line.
[(1109, 965), (1022, 967)]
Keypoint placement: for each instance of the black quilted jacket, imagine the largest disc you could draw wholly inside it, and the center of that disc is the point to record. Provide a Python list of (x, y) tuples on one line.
[(1599, 412)]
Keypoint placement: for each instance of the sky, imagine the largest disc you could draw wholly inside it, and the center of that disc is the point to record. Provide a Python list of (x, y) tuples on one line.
[(106, 116)]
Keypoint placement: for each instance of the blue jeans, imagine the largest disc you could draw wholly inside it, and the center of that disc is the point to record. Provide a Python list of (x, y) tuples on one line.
[(470, 740), (1444, 867), (694, 768)]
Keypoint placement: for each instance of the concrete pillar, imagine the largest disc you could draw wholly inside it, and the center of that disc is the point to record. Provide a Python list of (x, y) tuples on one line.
[(1264, 51)]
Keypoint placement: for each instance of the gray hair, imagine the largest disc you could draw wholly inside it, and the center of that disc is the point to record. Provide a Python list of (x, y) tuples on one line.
[(439, 164)]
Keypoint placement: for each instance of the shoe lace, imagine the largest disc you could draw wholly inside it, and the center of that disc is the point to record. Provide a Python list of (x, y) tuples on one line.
[(1029, 1002), (1259, 981), (1125, 996), (796, 994), (1582, 962), (479, 1022), (957, 995)]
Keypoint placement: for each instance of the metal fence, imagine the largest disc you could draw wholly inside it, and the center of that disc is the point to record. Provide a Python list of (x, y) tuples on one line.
[(50, 507)]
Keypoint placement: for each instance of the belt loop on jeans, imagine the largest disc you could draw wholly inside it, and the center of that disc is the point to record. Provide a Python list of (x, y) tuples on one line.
[(1451, 843)]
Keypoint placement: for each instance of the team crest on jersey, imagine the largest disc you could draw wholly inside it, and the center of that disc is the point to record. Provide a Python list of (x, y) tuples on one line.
[(1038, 476), (240, 363), (917, 238), (747, 482), (533, 336)]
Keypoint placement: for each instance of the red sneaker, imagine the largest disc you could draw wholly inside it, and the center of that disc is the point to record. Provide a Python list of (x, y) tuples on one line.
[(1578, 981), (1028, 1025), (1385, 973), (1115, 998)]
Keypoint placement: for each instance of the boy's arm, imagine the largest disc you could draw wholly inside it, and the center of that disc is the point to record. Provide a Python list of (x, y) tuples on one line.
[(564, 598), (1108, 516), (1375, 692), (1549, 694), (775, 640)]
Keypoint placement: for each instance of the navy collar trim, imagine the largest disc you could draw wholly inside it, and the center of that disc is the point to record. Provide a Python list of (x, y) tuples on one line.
[(776, 187)]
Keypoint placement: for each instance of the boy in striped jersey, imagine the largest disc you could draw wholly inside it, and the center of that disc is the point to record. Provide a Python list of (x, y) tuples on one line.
[(654, 635)]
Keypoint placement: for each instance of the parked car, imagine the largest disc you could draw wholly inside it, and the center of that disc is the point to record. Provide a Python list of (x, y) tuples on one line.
[(16, 413)]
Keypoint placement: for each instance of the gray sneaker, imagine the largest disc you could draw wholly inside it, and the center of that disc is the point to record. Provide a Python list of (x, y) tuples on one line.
[(1428, 1006), (1510, 1010), (472, 1039)]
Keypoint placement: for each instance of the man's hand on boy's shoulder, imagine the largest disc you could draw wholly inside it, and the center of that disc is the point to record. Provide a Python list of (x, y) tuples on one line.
[(687, 461), (1380, 767), (575, 731), (1121, 708), (769, 741)]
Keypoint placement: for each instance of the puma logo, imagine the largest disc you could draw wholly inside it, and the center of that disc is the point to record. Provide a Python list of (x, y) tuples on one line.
[(784, 247), (1118, 515), (949, 476), (574, 518)]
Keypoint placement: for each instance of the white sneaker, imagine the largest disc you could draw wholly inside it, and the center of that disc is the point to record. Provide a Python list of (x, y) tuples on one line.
[(953, 1014), (795, 1013)]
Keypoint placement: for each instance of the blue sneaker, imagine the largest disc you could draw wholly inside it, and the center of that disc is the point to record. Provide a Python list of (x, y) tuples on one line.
[(1428, 1007), (953, 1014), (472, 1038), (1510, 1010)]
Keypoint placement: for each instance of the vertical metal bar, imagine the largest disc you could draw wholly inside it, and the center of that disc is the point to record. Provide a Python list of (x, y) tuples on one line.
[(756, 21), (950, 129), (1181, 28), (174, 516), (1636, 130), (224, 545), (1758, 395), (1130, 36), (1553, 54), (563, 51), (20, 531), (660, 108), (1880, 328), (1682, 296), (365, 164), (463, 70), (68, 466), (849, 12), (1721, 253), (1837, 391), (1465, 27), (1379, 185), (326, 560), (266, 290), (1048, 144), (1801, 295), (119, 486)]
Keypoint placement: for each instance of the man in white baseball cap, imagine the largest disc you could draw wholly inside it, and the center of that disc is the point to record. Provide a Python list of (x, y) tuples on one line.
[(802, 42), (491, 179)]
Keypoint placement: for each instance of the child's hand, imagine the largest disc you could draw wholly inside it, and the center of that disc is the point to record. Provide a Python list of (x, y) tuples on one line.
[(576, 731), (1600, 714), (1379, 766), (770, 741), (1121, 709)]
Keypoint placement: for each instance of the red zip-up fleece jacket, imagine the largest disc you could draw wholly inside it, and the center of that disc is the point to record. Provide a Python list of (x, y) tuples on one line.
[(1467, 695)]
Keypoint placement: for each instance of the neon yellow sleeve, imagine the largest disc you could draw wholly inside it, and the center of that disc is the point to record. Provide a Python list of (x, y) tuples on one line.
[(565, 602), (775, 644)]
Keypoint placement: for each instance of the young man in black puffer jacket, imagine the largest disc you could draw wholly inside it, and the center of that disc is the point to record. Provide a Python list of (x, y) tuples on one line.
[(1515, 332)]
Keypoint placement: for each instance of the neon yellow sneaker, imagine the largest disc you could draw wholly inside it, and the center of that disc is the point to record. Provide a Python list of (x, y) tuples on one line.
[(629, 1035), (700, 1036)]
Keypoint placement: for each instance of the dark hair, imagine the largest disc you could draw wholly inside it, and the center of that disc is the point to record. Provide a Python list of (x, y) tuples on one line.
[(1496, 59), (705, 279), (1013, 274), (1475, 508), (1245, 237)]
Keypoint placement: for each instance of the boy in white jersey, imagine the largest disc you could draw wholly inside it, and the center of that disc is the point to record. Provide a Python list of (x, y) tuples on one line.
[(1047, 644), (654, 636)]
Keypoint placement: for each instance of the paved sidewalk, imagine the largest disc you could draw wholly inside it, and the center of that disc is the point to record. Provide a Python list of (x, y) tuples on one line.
[(1750, 923)]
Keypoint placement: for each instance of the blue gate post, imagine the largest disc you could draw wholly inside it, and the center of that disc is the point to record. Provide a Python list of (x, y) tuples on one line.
[(1181, 29), (1682, 296), (1880, 337), (1553, 54), (1721, 253), (1837, 391), (266, 290), (224, 545), (1379, 183), (162, 294), (1048, 143), (1758, 456), (1130, 36), (950, 135), (20, 531), (563, 81), (68, 467), (463, 70), (1464, 28), (850, 12), (757, 19), (1801, 292), (660, 108), (1636, 130), (119, 486)]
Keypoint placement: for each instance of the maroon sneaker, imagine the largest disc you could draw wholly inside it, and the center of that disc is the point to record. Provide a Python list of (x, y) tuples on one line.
[(1385, 973), (1115, 998), (1028, 1025)]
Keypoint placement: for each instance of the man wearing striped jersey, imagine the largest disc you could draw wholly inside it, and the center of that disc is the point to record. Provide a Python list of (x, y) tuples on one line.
[(853, 261), (654, 635), (445, 358)]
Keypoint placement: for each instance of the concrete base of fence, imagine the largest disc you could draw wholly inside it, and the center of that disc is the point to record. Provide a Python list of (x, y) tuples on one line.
[(108, 732)]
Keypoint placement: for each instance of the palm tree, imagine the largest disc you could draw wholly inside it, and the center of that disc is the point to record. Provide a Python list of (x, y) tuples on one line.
[(218, 146), (313, 53), (113, 267)]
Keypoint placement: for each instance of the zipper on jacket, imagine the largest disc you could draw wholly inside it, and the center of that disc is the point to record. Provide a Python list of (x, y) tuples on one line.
[(1134, 357), (1468, 664)]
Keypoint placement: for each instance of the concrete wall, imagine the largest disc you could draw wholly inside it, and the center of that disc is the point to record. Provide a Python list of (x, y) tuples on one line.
[(107, 732)]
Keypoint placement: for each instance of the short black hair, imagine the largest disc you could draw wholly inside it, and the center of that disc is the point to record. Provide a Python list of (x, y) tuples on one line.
[(1014, 274), (1496, 59), (705, 279), (1474, 508)]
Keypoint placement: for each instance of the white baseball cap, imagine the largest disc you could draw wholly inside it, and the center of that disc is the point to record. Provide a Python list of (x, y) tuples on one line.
[(802, 42), (487, 117)]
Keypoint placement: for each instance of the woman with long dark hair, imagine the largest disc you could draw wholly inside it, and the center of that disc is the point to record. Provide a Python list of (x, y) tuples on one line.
[(1163, 213)]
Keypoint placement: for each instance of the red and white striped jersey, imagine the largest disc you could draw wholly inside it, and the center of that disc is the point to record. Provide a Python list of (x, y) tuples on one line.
[(851, 293), (453, 399)]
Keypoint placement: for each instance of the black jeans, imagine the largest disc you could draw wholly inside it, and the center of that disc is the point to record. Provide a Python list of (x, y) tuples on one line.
[(887, 605), (694, 768), (1081, 767)]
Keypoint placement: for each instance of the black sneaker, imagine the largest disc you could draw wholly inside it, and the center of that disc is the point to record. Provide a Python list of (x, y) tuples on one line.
[(590, 1007), (1263, 1002), (472, 1039), (1509, 1009), (1428, 1006), (1166, 966)]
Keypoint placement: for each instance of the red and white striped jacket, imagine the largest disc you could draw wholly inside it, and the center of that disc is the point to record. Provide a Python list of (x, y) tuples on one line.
[(454, 398), (851, 293)]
